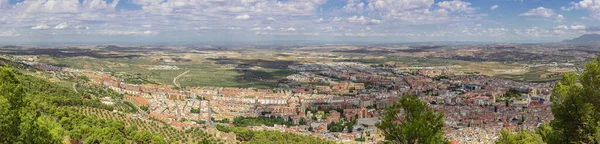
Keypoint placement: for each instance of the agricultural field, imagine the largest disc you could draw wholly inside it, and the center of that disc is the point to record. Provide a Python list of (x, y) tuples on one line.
[(172, 135), (200, 71)]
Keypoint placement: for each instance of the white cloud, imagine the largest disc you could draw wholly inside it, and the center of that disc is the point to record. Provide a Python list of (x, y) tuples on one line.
[(356, 19), (494, 7), (40, 27), (362, 20), (268, 28), (540, 11), (81, 27), (243, 17), (10, 33), (456, 5), (335, 19), (578, 27), (62, 25), (320, 20), (560, 18), (3, 4), (256, 29), (259, 29), (592, 6), (271, 19), (375, 21), (561, 27), (354, 6), (134, 33), (290, 29)]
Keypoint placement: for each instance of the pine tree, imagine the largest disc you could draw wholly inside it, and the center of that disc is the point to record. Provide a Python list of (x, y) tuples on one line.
[(417, 124)]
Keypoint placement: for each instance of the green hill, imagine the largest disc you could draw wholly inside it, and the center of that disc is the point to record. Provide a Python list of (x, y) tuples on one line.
[(36, 111)]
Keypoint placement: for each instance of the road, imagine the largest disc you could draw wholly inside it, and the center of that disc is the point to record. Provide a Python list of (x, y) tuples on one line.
[(175, 79), (75, 87)]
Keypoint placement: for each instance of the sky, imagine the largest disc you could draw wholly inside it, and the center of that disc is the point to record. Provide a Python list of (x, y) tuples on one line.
[(289, 21)]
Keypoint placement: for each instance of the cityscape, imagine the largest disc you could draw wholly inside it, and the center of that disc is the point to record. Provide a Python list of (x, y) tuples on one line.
[(299, 71)]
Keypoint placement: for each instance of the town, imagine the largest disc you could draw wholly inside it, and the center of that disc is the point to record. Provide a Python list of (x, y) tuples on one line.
[(339, 101)]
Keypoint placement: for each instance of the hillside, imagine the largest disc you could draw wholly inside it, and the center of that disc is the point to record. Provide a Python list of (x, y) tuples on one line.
[(34, 110), (585, 39)]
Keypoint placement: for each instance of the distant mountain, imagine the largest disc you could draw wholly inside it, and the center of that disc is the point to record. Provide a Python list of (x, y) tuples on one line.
[(585, 39)]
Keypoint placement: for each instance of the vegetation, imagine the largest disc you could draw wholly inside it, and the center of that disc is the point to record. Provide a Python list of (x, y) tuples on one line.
[(255, 137), (417, 124), (258, 121), (195, 110), (36, 111), (576, 109), (522, 137)]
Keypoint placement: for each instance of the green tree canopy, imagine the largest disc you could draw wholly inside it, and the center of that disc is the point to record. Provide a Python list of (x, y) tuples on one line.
[(410, 120), (522, 137), (576, 109)]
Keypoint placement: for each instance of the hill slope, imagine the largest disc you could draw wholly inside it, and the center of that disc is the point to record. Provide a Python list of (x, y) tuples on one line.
[(36, 111), (585, 39)]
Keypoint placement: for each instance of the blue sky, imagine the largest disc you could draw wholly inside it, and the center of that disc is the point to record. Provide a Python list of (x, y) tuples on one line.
[(327, 21)]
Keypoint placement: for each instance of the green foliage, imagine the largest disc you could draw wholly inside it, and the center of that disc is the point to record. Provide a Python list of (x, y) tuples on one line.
[(258, 121), (576, 109), (522, 137), (360, 139), (417, 124), (335, 127), (225, 120), (575, 116), (31, 114), (195, 110), (261, 137)]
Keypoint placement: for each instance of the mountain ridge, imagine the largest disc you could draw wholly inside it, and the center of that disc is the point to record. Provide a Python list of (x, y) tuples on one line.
[(585, 39)]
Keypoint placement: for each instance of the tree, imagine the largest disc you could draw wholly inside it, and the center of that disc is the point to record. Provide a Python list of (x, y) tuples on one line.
[(576, 109), (349, 126), (11, 103), (575, 117), (409, 120), (158, 139), (521, 137)]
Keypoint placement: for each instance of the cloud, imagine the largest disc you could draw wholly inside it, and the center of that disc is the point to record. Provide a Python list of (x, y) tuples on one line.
[(356, 19), (560, 18), (494, 7), (243, 17), (290, 29), (362, 20), (335, 19), (81, 27), (354, 6), (256, 29), (3, 4), (40, 27), (10, 33), (592, 6), (456, 5), (561, 27), (131, 33), (62, 25), (540, 11), (375, 21), (577, 27)]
